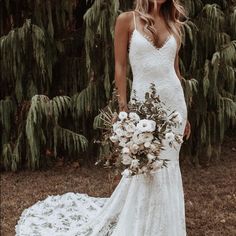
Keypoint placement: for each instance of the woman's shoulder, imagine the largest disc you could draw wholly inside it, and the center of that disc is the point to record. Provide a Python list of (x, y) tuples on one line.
[(125, 19), (125, 16)]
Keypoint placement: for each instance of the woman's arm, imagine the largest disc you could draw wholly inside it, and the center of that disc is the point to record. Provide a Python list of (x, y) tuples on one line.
[(177, 66), (187, 130), (121, 38)]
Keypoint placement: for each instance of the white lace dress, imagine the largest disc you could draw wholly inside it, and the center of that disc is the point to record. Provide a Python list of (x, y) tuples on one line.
[(139, 206)]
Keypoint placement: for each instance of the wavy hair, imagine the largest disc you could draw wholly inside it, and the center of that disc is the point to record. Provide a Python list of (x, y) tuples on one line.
[(173, 13)]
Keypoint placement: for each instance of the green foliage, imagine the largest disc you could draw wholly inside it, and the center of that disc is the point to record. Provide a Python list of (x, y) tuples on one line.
[(50, 110), (24, 66), (212, 63), (41, 129), (6, 110), (100, 21), (31, 48), (88, 100)]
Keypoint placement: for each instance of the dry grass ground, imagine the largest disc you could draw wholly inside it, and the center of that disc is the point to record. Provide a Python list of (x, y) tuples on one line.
[(210, 196)]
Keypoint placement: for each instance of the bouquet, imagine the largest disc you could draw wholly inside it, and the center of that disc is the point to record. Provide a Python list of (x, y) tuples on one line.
[(138, 136)]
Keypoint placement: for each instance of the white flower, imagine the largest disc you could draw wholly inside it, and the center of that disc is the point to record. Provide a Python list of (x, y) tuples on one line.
[(146, 137), (128, 135), (157, 164), (145, 125), (177, 117), (144, 169), (137, 139), (153, 124), (134, 148), (116, 125), (134, 116), (114, 138), (123, 141), (126, 159), (122, 144), (134, 163), (153, 147), (129, 144), (119, 132), (130, 127), (169, 136), (126, 173), (150, 157), (125, 150), (147, 144), (123, 115)]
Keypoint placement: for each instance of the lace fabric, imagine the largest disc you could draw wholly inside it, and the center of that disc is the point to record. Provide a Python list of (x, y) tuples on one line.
[(140, 205)]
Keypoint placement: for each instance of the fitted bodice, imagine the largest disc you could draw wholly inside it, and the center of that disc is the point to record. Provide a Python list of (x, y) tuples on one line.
[(151, 64), (147, 60)]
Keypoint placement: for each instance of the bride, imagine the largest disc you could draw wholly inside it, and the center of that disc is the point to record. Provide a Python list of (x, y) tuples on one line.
[(139, 206)]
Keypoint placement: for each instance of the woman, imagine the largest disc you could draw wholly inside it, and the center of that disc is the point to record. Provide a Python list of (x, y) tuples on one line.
[(139, 206)]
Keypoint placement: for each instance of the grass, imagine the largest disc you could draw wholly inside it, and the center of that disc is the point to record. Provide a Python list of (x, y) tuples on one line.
[(210, 196)]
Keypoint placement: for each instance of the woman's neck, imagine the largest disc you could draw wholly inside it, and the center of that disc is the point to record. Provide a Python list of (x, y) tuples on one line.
[(155, 9)]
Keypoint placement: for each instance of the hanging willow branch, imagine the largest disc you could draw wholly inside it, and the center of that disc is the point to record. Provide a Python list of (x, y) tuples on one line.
[(100, 21), (43, 108), (23, 56), (213, 66)]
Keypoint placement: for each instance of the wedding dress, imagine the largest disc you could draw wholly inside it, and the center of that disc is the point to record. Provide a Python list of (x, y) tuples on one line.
[(139, 206)]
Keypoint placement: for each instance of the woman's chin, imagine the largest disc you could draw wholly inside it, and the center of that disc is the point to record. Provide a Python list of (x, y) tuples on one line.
[(158, 1)]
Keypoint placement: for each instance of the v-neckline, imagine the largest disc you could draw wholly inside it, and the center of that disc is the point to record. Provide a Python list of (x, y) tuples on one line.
[(151, 42)]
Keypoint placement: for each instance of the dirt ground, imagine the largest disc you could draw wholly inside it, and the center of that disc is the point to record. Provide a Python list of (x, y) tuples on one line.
[(210, 196)]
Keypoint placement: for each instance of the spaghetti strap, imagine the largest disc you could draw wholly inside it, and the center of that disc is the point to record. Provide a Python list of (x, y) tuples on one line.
[(134, 20)]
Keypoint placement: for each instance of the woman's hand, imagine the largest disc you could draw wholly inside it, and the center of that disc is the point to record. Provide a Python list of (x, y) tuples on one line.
[(187, 130), (123, 106)]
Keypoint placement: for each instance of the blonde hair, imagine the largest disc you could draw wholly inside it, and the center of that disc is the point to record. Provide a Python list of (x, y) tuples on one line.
[(173, 13)]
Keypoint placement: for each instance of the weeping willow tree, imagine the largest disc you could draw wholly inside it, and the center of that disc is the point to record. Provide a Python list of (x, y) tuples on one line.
[(210, 57), (57, 71), (42, 67)]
